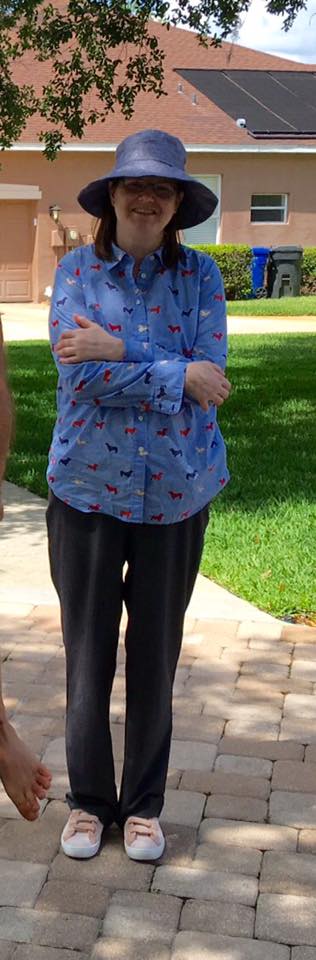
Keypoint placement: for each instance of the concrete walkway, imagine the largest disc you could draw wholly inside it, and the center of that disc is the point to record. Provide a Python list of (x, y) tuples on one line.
[(28, 321), (238, 878)]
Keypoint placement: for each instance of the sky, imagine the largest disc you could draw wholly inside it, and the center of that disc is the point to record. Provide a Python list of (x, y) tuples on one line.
[(262, 31)]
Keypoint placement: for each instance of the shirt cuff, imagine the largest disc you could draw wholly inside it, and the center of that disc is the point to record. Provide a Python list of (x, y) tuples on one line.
[(169, 387)]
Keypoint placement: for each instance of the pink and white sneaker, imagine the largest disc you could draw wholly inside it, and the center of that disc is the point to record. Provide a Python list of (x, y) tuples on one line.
[(81, 837), (143, 839)]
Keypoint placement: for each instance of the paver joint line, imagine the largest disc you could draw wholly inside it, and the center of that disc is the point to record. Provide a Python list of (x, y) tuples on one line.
[(237, 880)]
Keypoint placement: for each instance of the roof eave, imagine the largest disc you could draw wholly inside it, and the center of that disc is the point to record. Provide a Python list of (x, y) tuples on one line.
[(78, 147)]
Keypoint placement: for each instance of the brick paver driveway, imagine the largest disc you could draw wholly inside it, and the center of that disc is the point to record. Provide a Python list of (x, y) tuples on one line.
[(238, 879)]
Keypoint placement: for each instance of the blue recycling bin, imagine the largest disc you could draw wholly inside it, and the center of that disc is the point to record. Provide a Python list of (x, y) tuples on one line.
[(259, 260)]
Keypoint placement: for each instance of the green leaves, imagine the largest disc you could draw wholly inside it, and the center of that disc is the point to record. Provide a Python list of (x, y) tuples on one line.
[(289, 9), (234, 261), (91, 69), (86, 79), (17, 104)]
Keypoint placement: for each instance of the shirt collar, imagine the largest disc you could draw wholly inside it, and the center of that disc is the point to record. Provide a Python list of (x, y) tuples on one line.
[(120, 254)]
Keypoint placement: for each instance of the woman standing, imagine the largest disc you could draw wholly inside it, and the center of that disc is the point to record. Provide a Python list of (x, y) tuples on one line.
[(138, 334)]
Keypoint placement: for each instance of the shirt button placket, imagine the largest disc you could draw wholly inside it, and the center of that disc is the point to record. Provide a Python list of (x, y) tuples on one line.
[(141, 315), (140, 319)]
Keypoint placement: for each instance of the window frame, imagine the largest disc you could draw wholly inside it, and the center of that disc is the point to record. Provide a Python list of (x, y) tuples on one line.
[(283, 207)]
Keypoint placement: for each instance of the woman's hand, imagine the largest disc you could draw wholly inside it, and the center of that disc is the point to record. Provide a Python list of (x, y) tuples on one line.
[(89, 342), (206, 383)]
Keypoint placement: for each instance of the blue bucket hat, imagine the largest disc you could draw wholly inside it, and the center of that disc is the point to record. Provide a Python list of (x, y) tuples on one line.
[(153, 153)]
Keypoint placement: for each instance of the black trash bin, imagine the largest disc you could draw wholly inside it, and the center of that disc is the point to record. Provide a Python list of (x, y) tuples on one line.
[(284, 272)]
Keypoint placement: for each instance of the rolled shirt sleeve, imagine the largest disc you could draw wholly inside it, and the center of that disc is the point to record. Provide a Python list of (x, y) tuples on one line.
[(160, 384)]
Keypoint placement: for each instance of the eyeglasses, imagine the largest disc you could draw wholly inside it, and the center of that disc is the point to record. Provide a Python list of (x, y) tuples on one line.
[(164, 191)]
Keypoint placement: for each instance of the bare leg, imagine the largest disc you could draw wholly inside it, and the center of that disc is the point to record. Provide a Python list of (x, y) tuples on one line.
[(24, 778)]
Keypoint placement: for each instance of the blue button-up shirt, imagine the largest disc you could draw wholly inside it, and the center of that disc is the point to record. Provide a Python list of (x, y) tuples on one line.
[(128, 442)]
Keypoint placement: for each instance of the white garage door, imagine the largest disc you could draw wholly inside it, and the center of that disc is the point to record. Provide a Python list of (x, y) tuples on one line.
[(15, 251)]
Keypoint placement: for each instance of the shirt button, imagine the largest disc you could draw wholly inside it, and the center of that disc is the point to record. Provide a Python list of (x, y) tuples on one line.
[(143, 275), (141, 418), (138, 301)]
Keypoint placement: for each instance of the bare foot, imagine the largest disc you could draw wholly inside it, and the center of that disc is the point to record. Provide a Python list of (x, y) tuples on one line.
[(24, 778)]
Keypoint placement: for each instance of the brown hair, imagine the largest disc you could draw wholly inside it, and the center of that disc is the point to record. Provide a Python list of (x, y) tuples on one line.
[(105, 235)]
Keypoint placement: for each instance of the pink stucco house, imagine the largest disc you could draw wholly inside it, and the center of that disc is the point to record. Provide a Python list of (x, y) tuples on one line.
[(248, 121)]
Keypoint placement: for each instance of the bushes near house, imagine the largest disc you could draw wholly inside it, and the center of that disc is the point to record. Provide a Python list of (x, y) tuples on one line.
[(308, 284), (235, 260)]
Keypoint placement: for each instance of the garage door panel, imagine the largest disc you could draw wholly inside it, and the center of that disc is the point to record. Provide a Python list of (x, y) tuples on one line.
[(18, 290), (16, 251)]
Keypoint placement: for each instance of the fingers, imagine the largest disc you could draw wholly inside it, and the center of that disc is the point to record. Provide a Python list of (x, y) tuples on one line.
[(215, 379), (223, 383), (67, 353), (217, 398), (66, 335), (82, 321), (222, 389), (214, 402), (225, 390), (72, 359), (69, 336), (65, 350), (72, 346), (63, 346)]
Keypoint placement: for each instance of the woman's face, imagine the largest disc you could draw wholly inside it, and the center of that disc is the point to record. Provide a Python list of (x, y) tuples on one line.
[(143, 207)]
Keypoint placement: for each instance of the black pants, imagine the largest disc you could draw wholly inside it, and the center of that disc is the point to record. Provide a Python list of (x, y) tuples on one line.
[(87, 554)]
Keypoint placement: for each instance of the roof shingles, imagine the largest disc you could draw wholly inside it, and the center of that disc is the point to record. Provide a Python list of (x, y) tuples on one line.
[(200, 122)]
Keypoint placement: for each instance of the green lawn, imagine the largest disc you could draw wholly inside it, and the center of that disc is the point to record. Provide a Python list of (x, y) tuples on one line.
[(33, 379), (284, 307), (260, 543)]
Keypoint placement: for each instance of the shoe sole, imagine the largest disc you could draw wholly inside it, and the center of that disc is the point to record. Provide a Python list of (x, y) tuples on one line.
[(79, 853), (139, 854)]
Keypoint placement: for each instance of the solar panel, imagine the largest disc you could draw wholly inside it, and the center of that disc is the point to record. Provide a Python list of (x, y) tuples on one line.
[(277, 97), (303, 85), (272, 102)]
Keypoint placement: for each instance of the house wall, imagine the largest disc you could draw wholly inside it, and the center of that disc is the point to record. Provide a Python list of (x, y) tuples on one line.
[(60, 183), (241, 176)]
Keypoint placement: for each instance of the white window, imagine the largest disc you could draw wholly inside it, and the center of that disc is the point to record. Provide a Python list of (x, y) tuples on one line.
[(269, 208), (208, 231)]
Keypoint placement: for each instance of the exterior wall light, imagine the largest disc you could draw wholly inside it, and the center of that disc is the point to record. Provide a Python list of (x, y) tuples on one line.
[(54, 212)]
